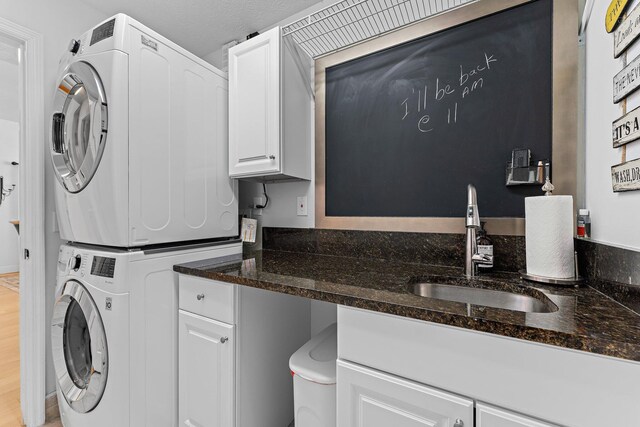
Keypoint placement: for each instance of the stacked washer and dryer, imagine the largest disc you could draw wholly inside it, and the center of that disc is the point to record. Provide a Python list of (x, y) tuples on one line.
[(139, 150)]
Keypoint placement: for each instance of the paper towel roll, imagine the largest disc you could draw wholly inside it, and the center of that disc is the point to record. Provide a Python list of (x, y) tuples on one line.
[(549, 235)]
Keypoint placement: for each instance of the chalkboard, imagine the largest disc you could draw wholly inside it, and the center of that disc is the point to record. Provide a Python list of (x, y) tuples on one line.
[(407, 128)]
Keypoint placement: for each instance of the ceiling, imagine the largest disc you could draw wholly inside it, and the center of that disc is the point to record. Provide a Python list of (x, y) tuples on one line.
[(203, 26)]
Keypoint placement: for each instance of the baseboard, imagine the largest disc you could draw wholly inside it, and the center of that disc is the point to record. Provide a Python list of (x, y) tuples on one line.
[(9, 269)]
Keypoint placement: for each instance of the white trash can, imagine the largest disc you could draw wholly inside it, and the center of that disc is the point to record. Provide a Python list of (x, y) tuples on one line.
[(313, 368)]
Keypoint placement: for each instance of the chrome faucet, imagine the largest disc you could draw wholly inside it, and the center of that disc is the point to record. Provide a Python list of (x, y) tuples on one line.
[(472, 257)]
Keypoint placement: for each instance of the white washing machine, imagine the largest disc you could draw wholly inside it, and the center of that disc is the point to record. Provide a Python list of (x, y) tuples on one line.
[(139, 141), (114, 333)]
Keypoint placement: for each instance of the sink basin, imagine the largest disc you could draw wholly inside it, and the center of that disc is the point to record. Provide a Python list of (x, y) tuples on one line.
[(484, 297)]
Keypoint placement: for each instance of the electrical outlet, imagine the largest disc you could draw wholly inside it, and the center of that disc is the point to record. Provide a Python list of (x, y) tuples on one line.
[(257, 201), (302, 206)]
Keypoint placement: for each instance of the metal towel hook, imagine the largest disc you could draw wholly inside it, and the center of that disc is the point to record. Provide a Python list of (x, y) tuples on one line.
[(4, 192)]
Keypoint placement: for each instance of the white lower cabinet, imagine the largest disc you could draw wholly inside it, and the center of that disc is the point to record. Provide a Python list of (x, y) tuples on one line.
[(490, 416), (235, 343), (370, 398), (206, 372), (394, 371)]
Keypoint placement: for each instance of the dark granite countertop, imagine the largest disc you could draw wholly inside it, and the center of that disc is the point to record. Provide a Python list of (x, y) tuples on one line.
[(586, 319)]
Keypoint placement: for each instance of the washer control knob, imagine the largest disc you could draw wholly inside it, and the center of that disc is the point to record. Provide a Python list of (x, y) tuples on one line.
[(77, 262), (74, 46)]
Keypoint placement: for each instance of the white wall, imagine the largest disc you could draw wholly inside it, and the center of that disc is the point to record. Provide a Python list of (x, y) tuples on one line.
[(58, 21), (9, 210), (614, 215), (9, 108), (9, 152)]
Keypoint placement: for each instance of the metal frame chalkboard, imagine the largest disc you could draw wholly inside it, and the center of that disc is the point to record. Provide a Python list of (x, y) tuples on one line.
[(564, 117)]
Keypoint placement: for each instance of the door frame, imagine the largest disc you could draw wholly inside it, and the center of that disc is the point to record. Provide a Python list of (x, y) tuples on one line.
[(32, 224)]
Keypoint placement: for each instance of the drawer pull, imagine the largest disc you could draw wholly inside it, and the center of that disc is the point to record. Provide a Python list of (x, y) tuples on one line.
[(459, 423), (224, 340), (200, 297)]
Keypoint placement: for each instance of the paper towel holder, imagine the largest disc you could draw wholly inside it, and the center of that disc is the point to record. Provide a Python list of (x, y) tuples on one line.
[(571, 281)]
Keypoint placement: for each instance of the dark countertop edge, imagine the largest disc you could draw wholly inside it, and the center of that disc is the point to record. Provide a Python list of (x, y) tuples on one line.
[(619, 350)]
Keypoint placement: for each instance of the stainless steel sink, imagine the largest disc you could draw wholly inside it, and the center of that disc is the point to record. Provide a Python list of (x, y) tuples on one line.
[(484, 297)]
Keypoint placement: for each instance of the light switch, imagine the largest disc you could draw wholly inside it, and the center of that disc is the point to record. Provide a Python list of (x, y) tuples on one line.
[(302, 206)]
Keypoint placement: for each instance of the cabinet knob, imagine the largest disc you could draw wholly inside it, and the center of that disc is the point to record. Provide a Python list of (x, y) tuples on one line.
[(200, 297), (272, 157), (458, 423), (224, 340)]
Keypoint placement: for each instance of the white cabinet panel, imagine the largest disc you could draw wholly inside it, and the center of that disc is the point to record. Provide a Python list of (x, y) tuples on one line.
[(368, 398), (490, 416), (206, 371), (254, 105)]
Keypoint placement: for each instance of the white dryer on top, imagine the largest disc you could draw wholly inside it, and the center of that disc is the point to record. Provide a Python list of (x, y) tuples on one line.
[(139, 141)]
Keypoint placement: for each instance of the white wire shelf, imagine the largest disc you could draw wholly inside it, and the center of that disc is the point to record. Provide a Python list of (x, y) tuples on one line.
[(352, 21)]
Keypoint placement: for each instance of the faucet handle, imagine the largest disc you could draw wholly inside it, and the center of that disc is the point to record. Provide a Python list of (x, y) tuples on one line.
[(482, 259), (473, 218)]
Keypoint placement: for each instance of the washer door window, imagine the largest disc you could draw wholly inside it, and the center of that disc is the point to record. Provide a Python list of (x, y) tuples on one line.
[(79, 126), (79, 347)]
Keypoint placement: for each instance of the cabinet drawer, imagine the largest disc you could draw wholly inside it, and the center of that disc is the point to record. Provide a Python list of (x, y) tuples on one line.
[(208, 298), (490, 416)]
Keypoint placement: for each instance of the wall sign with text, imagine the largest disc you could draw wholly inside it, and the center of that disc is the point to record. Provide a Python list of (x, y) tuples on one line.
[(626, 81), (626, 176), (627, 128), (614, 12), (627, 32)]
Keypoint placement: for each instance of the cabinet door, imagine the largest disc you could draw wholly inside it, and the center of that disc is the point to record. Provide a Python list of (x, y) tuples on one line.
[(206, 372), (490, 416), (254, 106), (368, 398)]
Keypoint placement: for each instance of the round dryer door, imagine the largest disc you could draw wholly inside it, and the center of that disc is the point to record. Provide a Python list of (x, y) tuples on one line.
[(79, 126), (79, 347)]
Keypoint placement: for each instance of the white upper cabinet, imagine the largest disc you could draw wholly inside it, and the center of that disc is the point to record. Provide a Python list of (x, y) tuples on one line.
[(269, 110)]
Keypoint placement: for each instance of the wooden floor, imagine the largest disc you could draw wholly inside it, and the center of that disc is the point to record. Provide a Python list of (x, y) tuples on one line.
[(10, 353), (10, 281)]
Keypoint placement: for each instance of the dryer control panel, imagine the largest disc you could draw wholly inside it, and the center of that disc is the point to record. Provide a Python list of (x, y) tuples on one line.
[(103, 266)]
